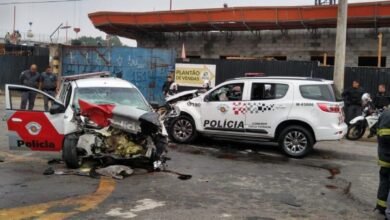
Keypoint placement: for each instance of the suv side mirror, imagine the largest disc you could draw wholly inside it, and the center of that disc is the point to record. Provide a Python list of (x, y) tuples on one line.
[(56, 108)]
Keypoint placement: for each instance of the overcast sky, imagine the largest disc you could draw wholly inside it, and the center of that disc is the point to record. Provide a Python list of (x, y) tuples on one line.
[(46, 17)]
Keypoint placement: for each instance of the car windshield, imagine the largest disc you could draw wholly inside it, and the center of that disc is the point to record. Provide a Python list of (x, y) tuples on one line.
[(103, 95)]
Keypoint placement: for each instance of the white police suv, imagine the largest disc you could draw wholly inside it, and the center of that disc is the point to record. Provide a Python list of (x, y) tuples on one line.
[(293, 111)]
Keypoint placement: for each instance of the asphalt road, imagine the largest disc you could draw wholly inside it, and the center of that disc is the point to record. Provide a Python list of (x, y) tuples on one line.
[(229, 181)]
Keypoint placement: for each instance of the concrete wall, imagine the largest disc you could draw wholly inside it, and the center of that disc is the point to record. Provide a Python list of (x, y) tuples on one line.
[(294, 44)]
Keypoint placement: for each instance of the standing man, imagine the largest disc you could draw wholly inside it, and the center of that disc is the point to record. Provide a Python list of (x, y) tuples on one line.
[(7, 38), (353, 101), (381, 99), (48, 85), (29, 78), (169, 87), (383, 161)]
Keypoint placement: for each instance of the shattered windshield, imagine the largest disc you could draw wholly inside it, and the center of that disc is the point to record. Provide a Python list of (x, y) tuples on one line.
[(104, 95)]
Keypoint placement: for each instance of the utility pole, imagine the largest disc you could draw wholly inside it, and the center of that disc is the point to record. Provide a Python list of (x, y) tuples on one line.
[(170, 5), (341, 37), (380, 36), (14, 18)]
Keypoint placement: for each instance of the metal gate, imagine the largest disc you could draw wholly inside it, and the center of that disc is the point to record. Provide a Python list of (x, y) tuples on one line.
[(145, 68)]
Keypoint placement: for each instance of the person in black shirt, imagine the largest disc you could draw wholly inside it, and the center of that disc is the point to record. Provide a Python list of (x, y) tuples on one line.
[(29, 78), (381, 99), (353, 101), (169, 87), (48, 85)]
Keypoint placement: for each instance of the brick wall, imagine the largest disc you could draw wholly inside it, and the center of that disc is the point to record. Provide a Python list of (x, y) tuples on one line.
[(294, 44)]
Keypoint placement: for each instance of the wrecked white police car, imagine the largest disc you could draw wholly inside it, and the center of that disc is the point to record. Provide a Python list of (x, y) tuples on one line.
[(295, 112), (94, 115)]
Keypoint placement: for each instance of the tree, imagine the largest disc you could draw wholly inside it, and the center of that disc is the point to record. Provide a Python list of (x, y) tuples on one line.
[(99, 41)]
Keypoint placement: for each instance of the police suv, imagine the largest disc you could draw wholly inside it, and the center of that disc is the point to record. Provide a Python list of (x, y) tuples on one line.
[(293, 111)]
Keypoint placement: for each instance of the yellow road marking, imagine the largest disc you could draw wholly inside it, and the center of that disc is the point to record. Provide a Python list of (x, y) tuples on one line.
[(61, 209)]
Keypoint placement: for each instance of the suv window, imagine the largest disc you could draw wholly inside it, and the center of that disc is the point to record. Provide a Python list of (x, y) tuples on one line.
[(322, 92), (266, 91), (230, 92)]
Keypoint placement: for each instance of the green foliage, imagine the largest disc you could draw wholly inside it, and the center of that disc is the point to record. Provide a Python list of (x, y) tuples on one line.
[(99, 41)]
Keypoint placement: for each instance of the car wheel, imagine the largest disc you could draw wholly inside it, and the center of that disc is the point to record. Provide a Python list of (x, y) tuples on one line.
[(182, 130), (69, 152), (296, 141)]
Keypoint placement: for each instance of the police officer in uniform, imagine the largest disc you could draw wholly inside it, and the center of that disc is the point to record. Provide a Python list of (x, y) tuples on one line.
[(383, 160), (169, 87), (381, 100), (48, 85), (29, 78), (352, 99)]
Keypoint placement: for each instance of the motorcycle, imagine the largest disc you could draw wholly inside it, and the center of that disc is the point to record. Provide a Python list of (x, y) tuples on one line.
[(369, 118), (116, 134)]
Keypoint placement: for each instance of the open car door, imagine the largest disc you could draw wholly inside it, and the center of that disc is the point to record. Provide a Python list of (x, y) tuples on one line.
[(34, 129)]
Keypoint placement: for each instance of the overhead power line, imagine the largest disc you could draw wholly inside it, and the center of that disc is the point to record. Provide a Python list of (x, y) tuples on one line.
[(38, 2)]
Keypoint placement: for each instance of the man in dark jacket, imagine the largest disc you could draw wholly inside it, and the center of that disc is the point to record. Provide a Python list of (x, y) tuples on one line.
[(29, 78), (381, 99), (353, 101), (383, 160), (48, 85), (169, 87)]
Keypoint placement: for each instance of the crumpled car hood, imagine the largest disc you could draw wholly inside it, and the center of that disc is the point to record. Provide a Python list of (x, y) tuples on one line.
[(102, 114)]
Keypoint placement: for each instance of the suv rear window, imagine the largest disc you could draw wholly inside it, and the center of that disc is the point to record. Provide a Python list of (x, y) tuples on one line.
[(322, 92)]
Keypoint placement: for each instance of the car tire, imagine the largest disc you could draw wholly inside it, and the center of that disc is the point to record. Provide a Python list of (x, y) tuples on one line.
[(69, 152), (296, 141), (182, 130)]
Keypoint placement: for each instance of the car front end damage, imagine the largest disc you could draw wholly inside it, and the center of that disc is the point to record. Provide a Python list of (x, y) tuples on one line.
[(117, 134)]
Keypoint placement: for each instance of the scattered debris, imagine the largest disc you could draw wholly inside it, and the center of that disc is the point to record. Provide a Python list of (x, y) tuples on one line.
[(290, 200), (331, 186), (115, 171), (347, 189), (55, 161), (180, 175), (80, 172), (333, 172), (227, 156)]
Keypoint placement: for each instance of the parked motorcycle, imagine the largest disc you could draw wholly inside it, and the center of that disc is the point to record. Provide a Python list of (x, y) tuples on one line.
[(368, 119)]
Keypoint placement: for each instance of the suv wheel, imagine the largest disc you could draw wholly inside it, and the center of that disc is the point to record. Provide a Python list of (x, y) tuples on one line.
[(69, 152), (182, 130), (296, 141)]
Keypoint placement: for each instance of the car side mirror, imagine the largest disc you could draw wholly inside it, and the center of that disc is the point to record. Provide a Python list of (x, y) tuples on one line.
[(206, 98), (56, 109)]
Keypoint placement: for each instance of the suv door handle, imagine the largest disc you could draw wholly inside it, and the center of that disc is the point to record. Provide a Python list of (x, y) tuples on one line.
[(16, 119)]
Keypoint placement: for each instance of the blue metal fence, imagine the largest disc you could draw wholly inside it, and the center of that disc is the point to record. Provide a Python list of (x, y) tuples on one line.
[(146, 68)]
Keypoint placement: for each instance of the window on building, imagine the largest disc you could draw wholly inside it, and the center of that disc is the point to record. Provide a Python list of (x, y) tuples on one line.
[(371, 61), (280, 57), (193, 56), (225, 57), (329, 60)]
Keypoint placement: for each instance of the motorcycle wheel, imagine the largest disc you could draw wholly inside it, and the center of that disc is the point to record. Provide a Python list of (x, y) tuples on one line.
[(355, 131)]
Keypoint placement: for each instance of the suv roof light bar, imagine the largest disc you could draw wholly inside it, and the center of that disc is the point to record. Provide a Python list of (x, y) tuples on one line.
[(86, 75)]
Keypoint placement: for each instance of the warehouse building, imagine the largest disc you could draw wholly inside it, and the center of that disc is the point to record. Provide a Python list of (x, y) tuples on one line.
[(303, 33)]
